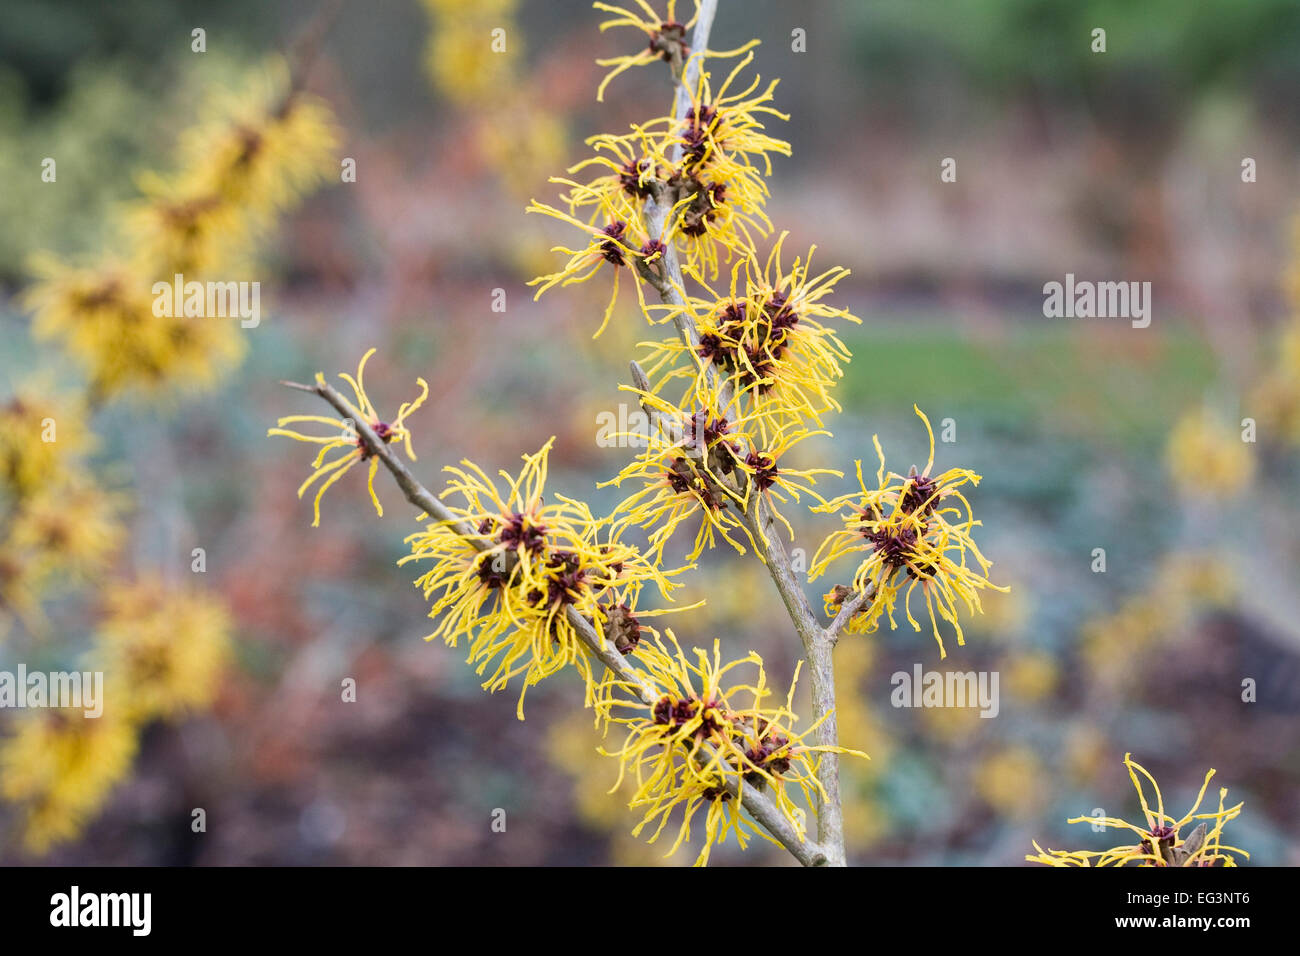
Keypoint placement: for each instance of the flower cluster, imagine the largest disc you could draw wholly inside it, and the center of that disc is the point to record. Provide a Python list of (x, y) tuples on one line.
[(257, 151), (665, 38), (347, 436), (702, 737), (162, 648), (765, 341), (254, 154), (533, 586), (752, 377), (162, 651), (1161, 840), (508, 569), (59, 769), (702, 466), (60, 525), (460, 59), (474, 59), (516, 576), (914, 530), (703, 172)]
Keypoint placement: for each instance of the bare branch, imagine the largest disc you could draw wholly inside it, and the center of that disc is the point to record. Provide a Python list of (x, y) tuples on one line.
[(849, 607)]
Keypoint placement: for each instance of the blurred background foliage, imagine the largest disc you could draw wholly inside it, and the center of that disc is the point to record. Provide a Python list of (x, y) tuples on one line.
[(1123, 165)]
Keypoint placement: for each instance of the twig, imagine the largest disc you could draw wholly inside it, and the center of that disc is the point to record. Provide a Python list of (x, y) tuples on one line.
[(762, 809), (306, 48), (848, 608), (670, 284), (691, 77)]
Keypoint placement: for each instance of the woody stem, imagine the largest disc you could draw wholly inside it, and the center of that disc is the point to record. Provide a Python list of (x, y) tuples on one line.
[(817, 641)]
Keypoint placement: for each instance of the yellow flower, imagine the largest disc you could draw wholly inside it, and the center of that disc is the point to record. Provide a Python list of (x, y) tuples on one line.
[(766, 339), (1161, 842), (163, 650), (914, 534), (259, 149), (688, 469), (177, 226), (70, 528), (701, 168), (633, 165), (59, 767), (508, 567), (1208, 458), (723, 131), (701, 743), (621, 242), (768, 474), (348, 437), (666, 38), (702, 463), (463, 58), (714, 219), (709, 212)]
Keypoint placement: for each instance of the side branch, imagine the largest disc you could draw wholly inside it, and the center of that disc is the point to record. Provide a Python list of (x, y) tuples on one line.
[(759, 806), (848, 609)]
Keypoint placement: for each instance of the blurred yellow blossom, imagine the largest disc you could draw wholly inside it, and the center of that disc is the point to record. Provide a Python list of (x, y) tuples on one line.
[(1010, 781), (163, 649), (1207, 457), (59, 767)]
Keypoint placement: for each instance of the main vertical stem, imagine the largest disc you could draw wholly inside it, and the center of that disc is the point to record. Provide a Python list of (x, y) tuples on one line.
[(817, 641), (830, 811), (817, 644)]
